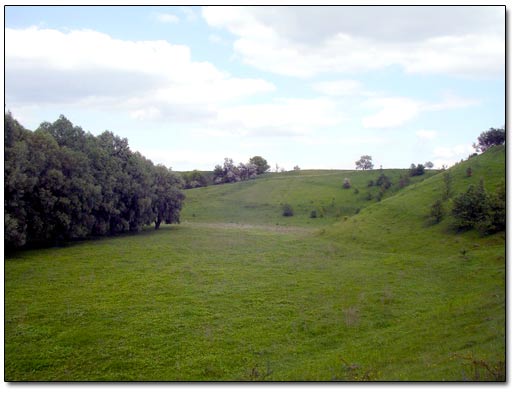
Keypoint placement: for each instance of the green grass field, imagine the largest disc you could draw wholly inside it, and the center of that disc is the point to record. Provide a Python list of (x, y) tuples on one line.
[(238, 292)]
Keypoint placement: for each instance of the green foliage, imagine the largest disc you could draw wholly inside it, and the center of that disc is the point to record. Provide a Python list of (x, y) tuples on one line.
[(346, 184), (471, 207), (383, 181), (167, 199), (478, 209), (313, 214), (416, 170), (62, 183), (261, 164), (229, 173), (194, 179), (437, 211), (364, 163), (492, 137)]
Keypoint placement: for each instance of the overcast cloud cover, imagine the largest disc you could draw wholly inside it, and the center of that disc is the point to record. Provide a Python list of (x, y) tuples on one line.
[(312, 86)]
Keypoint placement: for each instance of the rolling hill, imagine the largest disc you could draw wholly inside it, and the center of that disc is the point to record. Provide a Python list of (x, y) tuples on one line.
[(371, 289)]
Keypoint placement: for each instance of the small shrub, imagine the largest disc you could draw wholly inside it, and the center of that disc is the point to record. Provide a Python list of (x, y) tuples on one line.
[(469, 172), (313, 214), (287, 210), (383, 181), (437, 211), (471, 207), (347, 184), (371, 183), (356, 191)]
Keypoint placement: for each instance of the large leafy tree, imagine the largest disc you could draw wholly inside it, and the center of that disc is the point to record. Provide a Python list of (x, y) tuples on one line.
[(167, 197), (260, 163), (492, 137), (17, 182)]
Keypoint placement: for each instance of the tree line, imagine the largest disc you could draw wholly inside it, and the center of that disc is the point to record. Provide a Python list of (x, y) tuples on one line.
[(63, 183), (230, 173)]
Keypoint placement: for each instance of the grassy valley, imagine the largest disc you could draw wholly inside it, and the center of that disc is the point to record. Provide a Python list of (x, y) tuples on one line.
[(261, 200), (368, 290)]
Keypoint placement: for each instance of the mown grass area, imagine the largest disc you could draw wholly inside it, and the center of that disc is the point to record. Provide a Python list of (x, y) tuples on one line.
[(382, 295)]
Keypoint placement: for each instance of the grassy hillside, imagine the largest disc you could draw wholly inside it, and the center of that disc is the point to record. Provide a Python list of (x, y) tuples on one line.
[(384, 294), (261, 200)]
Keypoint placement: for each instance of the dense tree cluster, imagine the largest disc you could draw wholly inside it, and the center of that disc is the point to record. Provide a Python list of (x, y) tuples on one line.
[(195, 179), (416, 170), (62, 183), (229, 173)]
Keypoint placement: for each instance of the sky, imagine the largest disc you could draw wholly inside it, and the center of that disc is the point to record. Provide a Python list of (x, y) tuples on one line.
[(316, 87)]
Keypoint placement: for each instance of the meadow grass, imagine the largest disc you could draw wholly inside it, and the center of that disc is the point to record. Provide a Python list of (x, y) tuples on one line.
[(261, 200), (381, 295)]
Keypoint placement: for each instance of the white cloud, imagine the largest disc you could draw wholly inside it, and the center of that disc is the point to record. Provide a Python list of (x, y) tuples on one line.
[(150, 113), (149, 79), (282, 117), (451, 101), (397, 111), (167, 18), (343, 87), (426, 134), (306, 41), (188, 158), (394, 112), (448, 156)]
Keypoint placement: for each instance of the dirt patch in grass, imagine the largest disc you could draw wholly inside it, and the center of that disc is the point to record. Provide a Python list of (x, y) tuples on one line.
[(248, 227)]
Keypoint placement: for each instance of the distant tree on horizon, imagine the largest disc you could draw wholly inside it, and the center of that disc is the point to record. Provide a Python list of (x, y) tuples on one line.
[(364, 163), (260, 163), (416, 170), (492, 137)]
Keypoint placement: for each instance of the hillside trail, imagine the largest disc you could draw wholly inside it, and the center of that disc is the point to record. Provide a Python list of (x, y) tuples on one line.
[(261, 227)]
